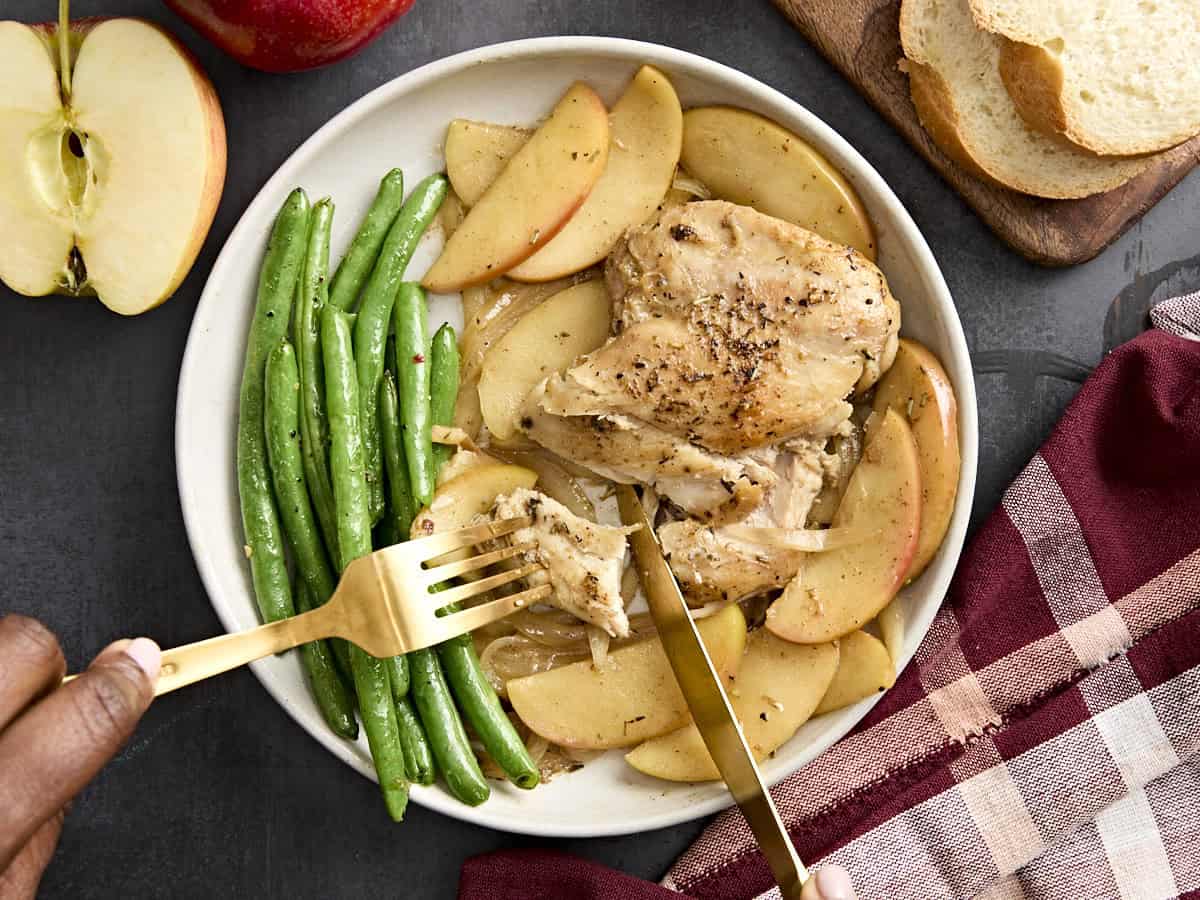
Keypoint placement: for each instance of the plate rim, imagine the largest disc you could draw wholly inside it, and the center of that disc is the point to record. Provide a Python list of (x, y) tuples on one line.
[(634, 51)]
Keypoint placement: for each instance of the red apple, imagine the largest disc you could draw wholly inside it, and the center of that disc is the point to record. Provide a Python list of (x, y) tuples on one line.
[(290, 35)]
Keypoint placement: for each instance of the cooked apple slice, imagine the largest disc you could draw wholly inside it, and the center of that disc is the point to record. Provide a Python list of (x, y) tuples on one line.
[(477, 152), (532, 198), (646, 132), (456, 503), (775, 691), (891, 622), (112, 192), (917, 386), (864, 669), (632, 698), (839, 591), (546, 340), (748, 159)]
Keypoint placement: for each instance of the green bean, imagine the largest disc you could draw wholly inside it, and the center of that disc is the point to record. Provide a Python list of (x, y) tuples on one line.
[(444, 730), (333, 698), (402, 510), (371, 681), (398, 674), (287, 470), (312, 293), (418, 760), (260, 518), (478, 701), (370, 331), (443, 386), (412, 372), (356, 265)]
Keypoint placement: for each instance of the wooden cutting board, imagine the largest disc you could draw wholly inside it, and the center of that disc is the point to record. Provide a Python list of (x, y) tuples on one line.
[(862, 39)]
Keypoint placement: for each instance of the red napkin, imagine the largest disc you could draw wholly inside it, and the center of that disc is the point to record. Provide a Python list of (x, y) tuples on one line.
[(1045, 741)]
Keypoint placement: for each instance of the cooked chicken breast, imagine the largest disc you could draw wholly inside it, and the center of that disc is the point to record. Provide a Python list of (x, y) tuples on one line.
[(712, 565), (711, 487), (734, 330), (584, 561)]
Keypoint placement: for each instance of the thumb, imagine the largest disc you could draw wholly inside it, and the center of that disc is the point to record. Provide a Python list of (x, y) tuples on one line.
[(830, 882), (57, 747)]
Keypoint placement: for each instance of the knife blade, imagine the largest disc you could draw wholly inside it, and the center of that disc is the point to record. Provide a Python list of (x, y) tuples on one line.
[(706, 698)]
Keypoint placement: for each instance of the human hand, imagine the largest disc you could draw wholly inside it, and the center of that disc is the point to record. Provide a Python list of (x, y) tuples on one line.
[(54, 740), (830, 882)]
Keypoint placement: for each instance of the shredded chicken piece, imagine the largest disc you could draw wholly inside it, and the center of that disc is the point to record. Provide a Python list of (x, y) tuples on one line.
[(583, 560)]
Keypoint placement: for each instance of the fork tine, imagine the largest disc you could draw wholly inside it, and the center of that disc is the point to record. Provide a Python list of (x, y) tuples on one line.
[(434, 545), (477, 616), (472, 563), (482, 586)]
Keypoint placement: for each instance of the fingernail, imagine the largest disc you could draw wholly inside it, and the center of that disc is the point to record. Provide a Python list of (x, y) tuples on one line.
[(833, 883), (146, 654)]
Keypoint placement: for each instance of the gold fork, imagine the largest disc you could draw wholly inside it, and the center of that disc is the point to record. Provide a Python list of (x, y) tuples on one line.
[(383, 603)]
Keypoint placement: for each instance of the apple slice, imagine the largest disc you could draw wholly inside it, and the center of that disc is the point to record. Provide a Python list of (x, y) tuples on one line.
[(647, 132), (112, 192), (775, 691), (456, 503), (545, 340), (917, 386), (748, 159), (865, 668), (631, 698), (839, 591), (538, 191), (477, 152)]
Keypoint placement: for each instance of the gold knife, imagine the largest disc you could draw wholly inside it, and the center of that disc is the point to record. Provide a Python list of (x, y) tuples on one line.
[(701, 687)]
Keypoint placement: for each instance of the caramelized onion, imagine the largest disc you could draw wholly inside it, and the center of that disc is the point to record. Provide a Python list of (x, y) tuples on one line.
[(806, 540), (551, 628), (553, 480), (598, 640), (516, 656)]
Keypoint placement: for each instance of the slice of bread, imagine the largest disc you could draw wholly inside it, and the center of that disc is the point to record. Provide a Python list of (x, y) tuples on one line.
[(1116, 78), (956, 88)]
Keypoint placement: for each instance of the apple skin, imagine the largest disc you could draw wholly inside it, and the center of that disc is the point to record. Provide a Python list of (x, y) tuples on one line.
[(290, 35)]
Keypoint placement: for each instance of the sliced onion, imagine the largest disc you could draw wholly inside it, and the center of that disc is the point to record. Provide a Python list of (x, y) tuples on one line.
[(553, 628), (630, 583), (553, 480), (516, 656), (455, 437), (709, 609), (537, 747), (806, 540), (598, 640), (690, 184)]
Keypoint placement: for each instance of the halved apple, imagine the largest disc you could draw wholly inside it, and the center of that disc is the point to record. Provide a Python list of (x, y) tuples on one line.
[(477, 152), (646, 133), (775, 691), (532, 198), (917, 386), (545, 340), (748, 159), (632, 698), (109, 188), (456, 503), (839, 591), (865, 668)]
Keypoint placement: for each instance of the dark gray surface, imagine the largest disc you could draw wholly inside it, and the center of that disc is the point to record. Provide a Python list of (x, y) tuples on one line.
[(220, 793)]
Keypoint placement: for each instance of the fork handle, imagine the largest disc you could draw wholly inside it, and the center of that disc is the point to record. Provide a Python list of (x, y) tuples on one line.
[(190, 663)]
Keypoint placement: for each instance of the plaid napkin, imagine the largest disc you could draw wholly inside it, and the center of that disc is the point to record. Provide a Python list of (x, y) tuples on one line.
[(1045, 741)]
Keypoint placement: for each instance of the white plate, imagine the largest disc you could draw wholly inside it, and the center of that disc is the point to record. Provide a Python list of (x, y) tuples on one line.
[(402, 124)]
